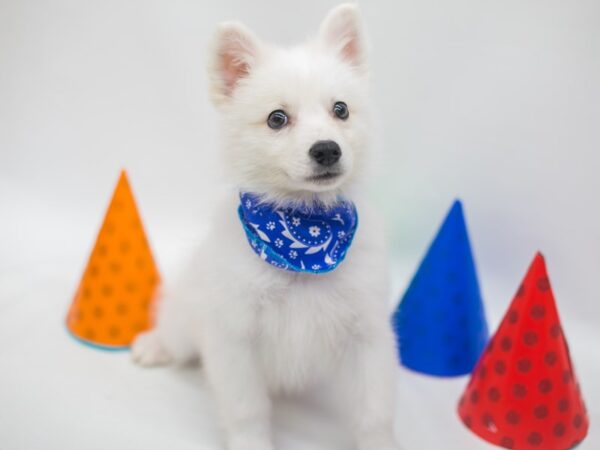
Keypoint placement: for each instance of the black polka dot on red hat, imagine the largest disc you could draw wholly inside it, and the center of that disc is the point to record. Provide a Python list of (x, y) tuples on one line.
[(519, 390), (488, 421), (538, 311), (507, 442), (513, 417), (543, 284), (530, 338), (559, 429), (545, 386), (540, 412), (500, 367), (482, 372), (468, 421), (550, 358), (563, 405), (524, 365), (494, 394), (535, 439), (506, 343)]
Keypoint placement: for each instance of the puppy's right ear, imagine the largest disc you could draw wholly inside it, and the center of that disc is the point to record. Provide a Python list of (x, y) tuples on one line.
[(235, 51)]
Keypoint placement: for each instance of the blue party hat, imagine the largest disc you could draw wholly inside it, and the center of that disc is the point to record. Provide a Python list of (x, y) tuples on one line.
[(440, 323)]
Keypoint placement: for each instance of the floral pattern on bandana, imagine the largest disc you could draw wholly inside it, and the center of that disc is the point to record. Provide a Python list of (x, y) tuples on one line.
[(300, 239)]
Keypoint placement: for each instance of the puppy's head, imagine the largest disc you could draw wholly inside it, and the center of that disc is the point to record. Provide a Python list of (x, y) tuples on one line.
[(295, 120)]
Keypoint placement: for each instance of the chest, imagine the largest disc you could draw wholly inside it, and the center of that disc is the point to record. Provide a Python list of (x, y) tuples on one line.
[(305, 329)]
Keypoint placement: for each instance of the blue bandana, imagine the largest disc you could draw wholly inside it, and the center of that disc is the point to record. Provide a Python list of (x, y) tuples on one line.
[(300, 239)]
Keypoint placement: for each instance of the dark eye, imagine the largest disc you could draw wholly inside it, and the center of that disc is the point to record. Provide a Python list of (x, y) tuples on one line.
[(277, 119), (340, 109)]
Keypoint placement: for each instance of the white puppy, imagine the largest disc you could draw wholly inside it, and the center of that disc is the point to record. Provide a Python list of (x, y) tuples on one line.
[(295, 126)]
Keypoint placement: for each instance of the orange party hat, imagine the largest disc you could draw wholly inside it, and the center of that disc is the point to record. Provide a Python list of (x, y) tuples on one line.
[(114, 301)]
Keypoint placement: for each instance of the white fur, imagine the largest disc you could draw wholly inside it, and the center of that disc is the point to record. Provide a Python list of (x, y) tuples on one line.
[(259, 329)]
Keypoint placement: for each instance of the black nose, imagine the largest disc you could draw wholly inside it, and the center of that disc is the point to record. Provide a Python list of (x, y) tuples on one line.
[(325, 153)]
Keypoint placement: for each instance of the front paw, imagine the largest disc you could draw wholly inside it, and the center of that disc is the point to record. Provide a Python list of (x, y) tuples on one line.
[(148, 351)]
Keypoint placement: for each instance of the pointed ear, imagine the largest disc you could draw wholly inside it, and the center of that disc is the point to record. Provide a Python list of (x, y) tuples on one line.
[(342, 32), (235, 51)]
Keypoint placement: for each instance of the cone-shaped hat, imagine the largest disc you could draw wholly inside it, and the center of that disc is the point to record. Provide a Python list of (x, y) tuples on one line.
[(114, 300), (440, 323), (524, 394)]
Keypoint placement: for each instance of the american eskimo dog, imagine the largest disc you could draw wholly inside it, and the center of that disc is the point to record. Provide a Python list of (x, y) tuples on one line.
[(290, 287)]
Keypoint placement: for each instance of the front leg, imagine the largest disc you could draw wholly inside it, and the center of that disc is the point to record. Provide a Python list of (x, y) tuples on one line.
[(368, 382), (240, 391)]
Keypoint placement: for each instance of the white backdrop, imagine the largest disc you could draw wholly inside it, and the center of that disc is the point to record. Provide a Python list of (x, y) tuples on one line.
[(494, 102)]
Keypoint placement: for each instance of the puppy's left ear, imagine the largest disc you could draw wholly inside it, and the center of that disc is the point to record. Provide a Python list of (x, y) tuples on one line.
[(342, 32)]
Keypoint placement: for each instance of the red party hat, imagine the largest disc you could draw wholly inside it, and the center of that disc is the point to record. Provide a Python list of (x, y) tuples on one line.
[(524, 394)]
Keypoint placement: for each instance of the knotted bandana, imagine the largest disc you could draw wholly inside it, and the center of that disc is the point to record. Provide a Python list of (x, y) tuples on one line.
[(299, 239)]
